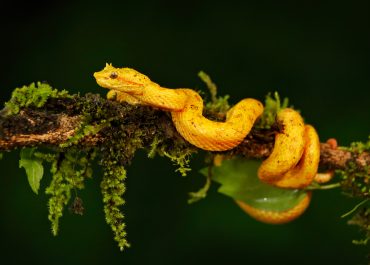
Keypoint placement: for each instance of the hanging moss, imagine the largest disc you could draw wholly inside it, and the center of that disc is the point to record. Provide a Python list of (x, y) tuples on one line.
[(122, 135), (112, 188), (69, 171)]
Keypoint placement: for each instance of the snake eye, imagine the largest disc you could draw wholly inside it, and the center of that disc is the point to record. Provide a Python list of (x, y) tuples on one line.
[(113, 75)]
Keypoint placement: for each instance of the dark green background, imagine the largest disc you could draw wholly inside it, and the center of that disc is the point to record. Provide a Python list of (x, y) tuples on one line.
[(315, 53)]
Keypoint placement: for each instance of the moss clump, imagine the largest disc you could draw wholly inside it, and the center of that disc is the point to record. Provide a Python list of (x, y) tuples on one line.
[(273, 105), (217, 107), (355, 180), (123, 136), (33, 95), (179, 154), (84, 130), (359, 147), (117, 152), (112, 188), (69, 171), (168, 143)]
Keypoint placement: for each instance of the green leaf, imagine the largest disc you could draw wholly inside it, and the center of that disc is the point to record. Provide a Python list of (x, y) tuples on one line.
[(1, 156), (33, 167), (239, 180)]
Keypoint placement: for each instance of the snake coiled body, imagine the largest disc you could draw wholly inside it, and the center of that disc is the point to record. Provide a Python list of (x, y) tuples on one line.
[(212, 135), (186, 108), (293, 162)]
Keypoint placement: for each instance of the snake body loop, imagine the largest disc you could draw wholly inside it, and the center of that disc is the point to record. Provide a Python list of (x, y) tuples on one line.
[(186, 107), (288, 148), (292, 164), (273, 217), (211, 135)]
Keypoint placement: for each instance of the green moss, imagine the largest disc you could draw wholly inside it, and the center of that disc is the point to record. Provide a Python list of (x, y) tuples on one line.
[(33, 95), (69, 170), (355, 180), (210, 85), (202, 192), (122, 136), (112, 188), (180, 158), (273, 105), (117, 152), (71, 164), (362, 220), (179, 152), (60, 193), (152, 150), (218, 106), (359, 147), (84, 130)]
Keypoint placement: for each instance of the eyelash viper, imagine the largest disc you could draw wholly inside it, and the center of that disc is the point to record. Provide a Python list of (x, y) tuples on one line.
[(293, 162), (186, 107)]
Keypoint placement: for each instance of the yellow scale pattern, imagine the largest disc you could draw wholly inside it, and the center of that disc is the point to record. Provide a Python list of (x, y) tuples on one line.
[(293, 162)]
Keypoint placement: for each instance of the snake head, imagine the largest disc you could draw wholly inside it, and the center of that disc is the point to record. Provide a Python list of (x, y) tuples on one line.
[(125, 80)]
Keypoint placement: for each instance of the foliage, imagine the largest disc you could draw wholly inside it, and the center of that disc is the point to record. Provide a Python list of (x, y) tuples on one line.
[(33, 167), (71, 162), (273, 105), (359, 147), (33, 95), (217, 104), (69, 170), (113, 187), (355, 181), (179, 156), (239, 180), (84, 130)]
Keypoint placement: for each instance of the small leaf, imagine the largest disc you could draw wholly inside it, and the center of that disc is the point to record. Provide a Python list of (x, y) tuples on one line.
[(33, 167), (1, 156), (239, 180)]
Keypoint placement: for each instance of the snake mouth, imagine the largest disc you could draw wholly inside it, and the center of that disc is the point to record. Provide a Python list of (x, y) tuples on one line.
[(129, 89)]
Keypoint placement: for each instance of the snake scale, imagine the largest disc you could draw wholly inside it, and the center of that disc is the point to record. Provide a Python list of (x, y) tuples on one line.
[(293, 162)]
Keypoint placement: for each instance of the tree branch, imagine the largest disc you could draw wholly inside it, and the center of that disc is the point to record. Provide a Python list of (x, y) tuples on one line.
[(58, 120)]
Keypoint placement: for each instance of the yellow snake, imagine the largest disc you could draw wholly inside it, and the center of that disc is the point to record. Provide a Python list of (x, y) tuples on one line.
[(293, 162), (186, 107)]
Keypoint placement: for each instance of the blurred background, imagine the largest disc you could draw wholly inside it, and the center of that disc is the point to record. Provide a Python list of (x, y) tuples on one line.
[(317, 53)]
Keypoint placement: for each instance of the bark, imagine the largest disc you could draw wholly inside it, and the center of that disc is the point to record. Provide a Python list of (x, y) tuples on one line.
[(36, 127)]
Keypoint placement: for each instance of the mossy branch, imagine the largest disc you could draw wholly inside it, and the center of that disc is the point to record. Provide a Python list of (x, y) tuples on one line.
[(76, 129), (59, 120)]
